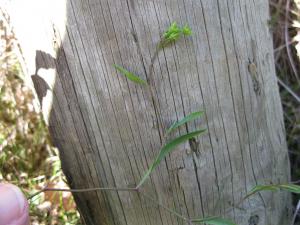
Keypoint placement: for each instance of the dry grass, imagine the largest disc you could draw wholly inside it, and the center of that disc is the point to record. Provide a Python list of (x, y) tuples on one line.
[(27, 158), (286, 35)]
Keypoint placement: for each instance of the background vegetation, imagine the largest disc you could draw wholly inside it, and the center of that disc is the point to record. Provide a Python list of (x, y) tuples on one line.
[(28, 160), (285, 26)]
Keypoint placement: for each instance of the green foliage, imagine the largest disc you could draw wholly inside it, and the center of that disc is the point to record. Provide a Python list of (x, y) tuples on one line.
[(130, 75), (187, 31), (293, 188), (173, 33), (167, 149), (186, 119), (213, 221)]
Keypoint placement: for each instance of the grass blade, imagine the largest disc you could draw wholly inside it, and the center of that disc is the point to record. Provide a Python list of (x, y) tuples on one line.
[(130, 75), (213, 221), (274, 187), (259, 188), (167, 149), (188, 118), (290, 187)]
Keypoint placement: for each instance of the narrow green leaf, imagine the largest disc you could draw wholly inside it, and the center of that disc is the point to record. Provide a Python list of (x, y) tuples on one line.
[(274, 187), (166, 149), (214, 221), (259, 188), (130, 75), (184, 120), (290, 187)]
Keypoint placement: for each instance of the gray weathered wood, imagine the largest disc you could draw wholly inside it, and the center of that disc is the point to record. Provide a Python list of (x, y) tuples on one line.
[(106, 126)]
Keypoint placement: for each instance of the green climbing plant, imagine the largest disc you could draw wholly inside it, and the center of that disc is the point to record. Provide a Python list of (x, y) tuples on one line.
[(170, 36)]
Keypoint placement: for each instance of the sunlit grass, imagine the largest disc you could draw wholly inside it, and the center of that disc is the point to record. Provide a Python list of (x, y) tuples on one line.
[(27, 158)]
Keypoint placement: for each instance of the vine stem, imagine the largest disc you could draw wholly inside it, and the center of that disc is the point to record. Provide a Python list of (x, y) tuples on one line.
[(114, 189), (152, 92), (164, 207), (159, 47), (162, 43), (45, 189)]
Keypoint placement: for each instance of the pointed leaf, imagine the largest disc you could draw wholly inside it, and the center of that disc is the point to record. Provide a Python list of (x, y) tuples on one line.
[(184, 120), (213, 221), (166, 149), (130, 75)]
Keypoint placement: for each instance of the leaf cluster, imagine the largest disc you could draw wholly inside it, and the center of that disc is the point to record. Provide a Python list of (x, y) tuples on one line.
[(173, 33)]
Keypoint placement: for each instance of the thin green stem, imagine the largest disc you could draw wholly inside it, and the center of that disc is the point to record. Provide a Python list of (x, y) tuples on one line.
[(164, 207), (151, 89), (81, 190), (113, 189), (160, 46)]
